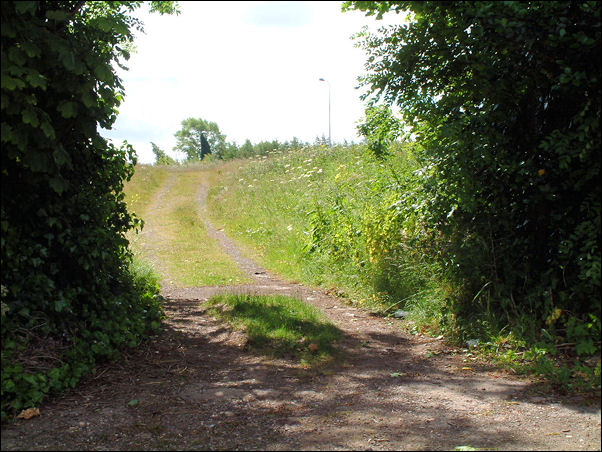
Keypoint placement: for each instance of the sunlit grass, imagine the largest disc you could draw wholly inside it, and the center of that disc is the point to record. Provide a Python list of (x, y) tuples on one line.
[(175, 239), (264, 203), (279, 326), (140, 188)]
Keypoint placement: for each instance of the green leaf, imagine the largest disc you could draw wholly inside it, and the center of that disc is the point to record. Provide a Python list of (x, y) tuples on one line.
[(88, 100), (58, 184), (67, 109), (30, 117), (60, 304), (61, 157), (6, 132), (103, 72), (32, 50), (11, 83), (31, 379), (16, 55), (36, 80), (133, 402), (47, 129)]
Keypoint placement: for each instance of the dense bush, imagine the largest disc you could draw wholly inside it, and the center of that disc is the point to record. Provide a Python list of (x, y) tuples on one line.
[(67, 289), (504, 99)]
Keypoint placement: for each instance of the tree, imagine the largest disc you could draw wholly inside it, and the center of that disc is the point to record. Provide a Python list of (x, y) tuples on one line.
[(205, 148), (64, 253), (247, 149), (161, 157), (381, 128), (504, 98), (189, 139)]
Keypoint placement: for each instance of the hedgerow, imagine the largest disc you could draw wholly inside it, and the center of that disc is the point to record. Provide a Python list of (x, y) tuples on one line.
[(504, 100), (69, 298)]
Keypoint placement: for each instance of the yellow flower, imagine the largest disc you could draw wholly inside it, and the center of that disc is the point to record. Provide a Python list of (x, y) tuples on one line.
[(541, 172), (555, 315)]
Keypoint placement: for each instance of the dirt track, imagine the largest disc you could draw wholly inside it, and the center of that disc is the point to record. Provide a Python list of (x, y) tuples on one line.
[(199, 387)]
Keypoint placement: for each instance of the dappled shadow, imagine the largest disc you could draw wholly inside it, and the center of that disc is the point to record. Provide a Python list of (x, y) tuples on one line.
[(197, 386)]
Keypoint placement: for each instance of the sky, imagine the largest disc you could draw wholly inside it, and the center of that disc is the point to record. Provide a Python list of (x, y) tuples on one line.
[(253, 68)]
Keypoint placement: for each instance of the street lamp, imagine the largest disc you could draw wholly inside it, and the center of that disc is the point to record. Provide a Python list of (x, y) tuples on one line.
[(329, 136)]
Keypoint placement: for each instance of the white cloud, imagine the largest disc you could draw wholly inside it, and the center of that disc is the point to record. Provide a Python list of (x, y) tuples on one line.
[(251, 67)]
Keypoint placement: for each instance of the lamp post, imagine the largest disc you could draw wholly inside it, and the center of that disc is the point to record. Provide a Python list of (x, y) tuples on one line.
[(329, 135)]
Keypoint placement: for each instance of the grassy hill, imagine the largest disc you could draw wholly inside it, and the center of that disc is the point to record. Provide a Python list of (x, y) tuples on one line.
[(325, 216), (174, 239)]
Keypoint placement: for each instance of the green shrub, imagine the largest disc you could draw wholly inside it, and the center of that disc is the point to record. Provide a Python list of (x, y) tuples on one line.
[(504, 100), (110, 325), (67, 287)]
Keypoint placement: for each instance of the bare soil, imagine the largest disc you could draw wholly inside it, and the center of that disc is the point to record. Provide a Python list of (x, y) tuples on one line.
[(199, 387)]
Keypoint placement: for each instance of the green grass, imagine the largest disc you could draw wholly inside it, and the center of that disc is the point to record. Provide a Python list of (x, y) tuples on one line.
[(279, 326), (175, 239), (142, 186), (266, 204), (372, 256)]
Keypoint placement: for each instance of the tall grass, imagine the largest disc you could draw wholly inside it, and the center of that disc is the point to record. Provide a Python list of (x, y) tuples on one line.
[(326, 216), (339, 217)]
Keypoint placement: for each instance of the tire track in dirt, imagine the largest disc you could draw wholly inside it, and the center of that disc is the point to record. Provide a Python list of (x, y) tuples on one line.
[(148, 234), (198, 386)]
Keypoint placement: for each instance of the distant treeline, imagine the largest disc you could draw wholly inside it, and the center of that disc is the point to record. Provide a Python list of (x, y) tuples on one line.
[(198, 139)]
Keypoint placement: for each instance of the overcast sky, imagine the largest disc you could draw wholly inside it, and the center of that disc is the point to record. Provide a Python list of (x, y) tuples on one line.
[(251, 67)]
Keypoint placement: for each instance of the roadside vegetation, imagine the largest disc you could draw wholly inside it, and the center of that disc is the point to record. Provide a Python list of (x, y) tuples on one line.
[(338, 217), (71, 296)]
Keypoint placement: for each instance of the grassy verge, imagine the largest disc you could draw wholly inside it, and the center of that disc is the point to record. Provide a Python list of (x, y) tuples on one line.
[(140, 189), (279, 326), (265, 203), (272, 206), (174, 238), (328, 216)]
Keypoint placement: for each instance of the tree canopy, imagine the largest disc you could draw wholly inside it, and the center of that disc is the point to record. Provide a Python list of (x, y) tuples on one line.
[(161, 157), (198, 137)]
